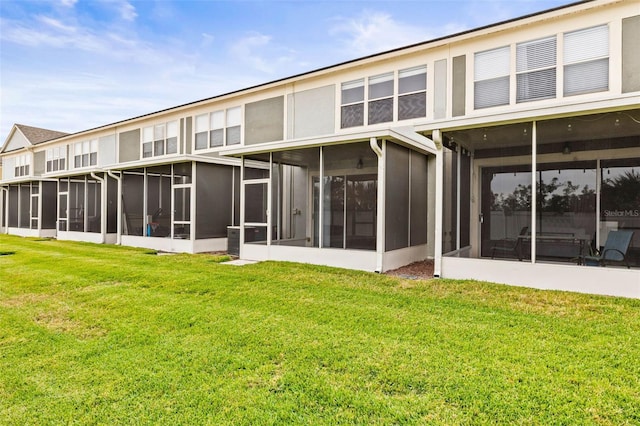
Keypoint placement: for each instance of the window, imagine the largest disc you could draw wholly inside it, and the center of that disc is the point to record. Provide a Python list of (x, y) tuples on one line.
[(381, 98), (85, 153), (234, 119), (56, 158), (161, 139), (352, 110), (23, 163), (212, 130), (491, 77), (586, 60), (536, 69), (412, 93)]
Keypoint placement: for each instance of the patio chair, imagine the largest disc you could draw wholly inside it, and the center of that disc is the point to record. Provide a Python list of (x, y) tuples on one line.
[(615, 250), (510, 246)]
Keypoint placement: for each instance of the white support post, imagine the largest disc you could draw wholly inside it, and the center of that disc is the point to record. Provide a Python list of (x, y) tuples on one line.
[(534, 189), (119, 207), (458, 195), (437, 263), (242, 207), (380, 235), (103, 205), (320, 201)]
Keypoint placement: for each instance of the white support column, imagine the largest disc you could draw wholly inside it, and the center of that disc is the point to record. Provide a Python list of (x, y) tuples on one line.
[(380, 225), (320, 200), (242, 207), (269, 202), (103, 206), (534, 189), (119, 206), (193, 200), (458, 195), (437, 263), (598, 189)]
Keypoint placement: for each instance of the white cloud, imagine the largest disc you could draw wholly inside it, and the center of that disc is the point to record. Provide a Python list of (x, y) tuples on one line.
[(373, 32), (127, 11), (55, 24), (68, 3), (247, 50), (207, 40)]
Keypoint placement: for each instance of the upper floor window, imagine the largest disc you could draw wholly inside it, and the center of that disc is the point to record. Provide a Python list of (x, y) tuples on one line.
[(412, 93), (56, 158), (586, 60), (161, 139), (491, 78), (536, 69), (218, 128), (352, 104), (23, 163), (381, 98), (85, 153)]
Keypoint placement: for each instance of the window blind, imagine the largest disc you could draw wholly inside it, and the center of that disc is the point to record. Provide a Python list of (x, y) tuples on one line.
[(491, 75), (536, 69), (586, 60)]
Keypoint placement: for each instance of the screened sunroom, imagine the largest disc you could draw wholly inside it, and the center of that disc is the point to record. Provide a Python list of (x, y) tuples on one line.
[(585, 175), (87, 208), (178, 207), (359, 202), (30, 208)]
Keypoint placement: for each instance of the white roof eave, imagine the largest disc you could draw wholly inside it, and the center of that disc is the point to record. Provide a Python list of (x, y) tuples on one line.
[(404, 135)]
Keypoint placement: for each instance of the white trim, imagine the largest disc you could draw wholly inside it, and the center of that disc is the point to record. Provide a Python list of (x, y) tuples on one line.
[(404, 135), (437, 137), (534, 185), (24, 232), (610, 281)]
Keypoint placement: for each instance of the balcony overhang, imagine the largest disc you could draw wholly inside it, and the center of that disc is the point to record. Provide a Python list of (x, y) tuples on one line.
[(402, 135)]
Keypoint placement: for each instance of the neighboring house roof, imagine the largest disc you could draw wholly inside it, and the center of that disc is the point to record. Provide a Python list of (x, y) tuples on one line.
[(22, 136), (36, 135)]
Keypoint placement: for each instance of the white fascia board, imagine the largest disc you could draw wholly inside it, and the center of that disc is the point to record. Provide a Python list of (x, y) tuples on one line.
[(158, 161), (529, 114), (404, 135), (27, 179), (73, 172), (409, 136)]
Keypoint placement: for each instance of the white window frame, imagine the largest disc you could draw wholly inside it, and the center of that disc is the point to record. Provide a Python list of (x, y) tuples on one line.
[(583, 47), (22, 165), (222, 120), (523, 68), (85, 154), (352, 85), (155, 140), (408, 72), (56, 158), (379, 79), (492, 65)]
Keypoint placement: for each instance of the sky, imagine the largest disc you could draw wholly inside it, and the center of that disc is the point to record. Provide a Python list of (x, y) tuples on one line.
[(72, 65)]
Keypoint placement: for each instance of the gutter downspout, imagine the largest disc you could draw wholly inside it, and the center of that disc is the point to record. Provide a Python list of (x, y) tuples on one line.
[(437, 263), (380, 235), (119, 215), (103, 206)]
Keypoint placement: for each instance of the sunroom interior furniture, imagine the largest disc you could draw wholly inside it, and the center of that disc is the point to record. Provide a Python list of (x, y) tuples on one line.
[(615, 250)]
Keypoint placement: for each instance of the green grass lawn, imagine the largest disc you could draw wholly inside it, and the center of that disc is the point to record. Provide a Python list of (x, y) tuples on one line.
[(95, 334)]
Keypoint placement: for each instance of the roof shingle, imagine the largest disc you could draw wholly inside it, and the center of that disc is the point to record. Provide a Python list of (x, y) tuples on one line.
[(36, 135)]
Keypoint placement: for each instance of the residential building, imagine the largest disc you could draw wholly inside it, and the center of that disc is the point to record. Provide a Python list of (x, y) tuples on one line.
[(503, 153)]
